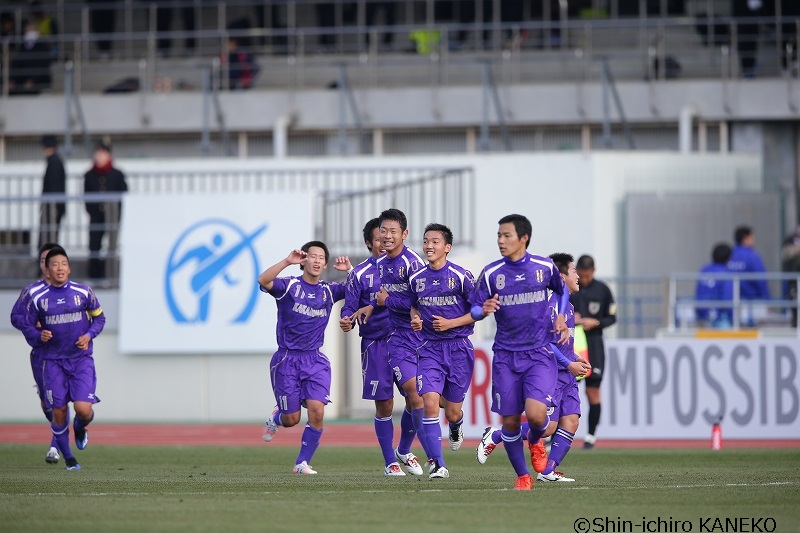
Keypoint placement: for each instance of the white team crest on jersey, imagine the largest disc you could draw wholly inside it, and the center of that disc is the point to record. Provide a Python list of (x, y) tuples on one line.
[(540, 276), (324, 295), (594, 308), (451, 283), (77, 299), (401, 271)]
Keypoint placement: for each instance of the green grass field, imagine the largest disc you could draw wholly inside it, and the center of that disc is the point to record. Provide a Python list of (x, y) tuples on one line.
[(253, 489)]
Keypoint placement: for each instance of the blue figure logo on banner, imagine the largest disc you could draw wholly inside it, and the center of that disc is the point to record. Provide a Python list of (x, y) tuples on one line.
[(212, 256)]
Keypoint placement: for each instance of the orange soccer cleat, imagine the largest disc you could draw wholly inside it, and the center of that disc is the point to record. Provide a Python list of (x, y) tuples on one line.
[(538, 456), (524, 482)]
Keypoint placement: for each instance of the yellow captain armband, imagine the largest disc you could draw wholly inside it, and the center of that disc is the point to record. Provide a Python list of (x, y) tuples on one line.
[(95, 312)]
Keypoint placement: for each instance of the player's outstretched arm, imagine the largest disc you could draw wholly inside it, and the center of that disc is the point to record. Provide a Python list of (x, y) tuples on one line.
[(441, 323), (295, 257)]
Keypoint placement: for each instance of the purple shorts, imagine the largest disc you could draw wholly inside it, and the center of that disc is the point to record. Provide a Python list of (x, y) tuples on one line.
[(445, 367), (403, 356), (37, 368), (378, 380), (69, 380), (566, 400), (517, 376), (298, 376)]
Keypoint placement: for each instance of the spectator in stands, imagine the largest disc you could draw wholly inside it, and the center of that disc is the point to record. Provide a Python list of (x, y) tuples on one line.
[(390, 18), (47, 26), (104, 216), (746, 260), (326, 19), (102, 20), (240, 63), (164, 24), (790, 263), (711, 288), (54, 182), (747, 33), (8, 30), (30, 68)]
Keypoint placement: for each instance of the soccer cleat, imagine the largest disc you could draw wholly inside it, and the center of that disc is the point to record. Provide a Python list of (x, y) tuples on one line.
[(439, 472), (394, 469), (431, 464), (52, 456), (409, 460), (524, 482), (485, 446), (456, 438), (304, 468), (554, 476), (588, 442), (81, 438), (270, 427), (538, 456), (72, 464)]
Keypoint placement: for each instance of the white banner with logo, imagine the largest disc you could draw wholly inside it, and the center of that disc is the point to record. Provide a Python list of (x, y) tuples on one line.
[(190, 265), (675, 389)]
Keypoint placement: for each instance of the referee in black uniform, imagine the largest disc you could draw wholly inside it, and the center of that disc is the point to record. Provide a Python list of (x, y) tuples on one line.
[(595, 310)]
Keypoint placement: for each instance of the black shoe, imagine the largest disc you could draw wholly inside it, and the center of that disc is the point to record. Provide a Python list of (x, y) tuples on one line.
[(72, 464)]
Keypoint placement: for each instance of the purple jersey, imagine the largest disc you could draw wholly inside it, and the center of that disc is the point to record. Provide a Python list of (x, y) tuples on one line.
[(363, 284), (524, 320), (444, 292), (566, 350), (394, 274), (303, 311), (20, 315), (69, 312)]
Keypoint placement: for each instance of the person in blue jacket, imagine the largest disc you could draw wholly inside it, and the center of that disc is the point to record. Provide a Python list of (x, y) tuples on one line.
[(745, 259), (712, 288)]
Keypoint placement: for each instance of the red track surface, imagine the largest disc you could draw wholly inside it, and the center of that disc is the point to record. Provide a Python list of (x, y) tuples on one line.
[(335, 435)]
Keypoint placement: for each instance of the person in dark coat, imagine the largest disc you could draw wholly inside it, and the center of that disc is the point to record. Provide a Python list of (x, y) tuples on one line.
[(104, 216), (54, 182)]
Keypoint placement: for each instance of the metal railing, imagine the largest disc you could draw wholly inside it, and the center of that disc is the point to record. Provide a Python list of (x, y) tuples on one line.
[(683, 305)]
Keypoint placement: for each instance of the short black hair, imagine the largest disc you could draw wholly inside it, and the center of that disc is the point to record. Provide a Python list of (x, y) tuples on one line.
[(318, 244), (49, 141), (741, 233), (585, 262), (53, 253), (46, 247), (369, 227), (562, 262), (521, 225), (395, 215), (100, 145), (721, 253), (441, 228)]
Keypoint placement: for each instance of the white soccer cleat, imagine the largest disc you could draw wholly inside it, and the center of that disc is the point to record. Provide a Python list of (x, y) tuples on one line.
[(270, 427), (304, 468), (486, 446), (456, 438), (52, 456), (393, 469), (439, 472), (409, 461), (555, 476)]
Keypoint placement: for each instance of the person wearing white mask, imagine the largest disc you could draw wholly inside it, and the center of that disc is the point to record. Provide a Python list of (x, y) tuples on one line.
[(30, 68)]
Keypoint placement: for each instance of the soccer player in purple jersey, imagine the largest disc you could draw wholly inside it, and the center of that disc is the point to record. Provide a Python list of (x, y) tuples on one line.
[(70, 317), (524, 371), (397, 266), (440, 310), (19, 314), (566, 405), (363, 285), (299, 372)]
